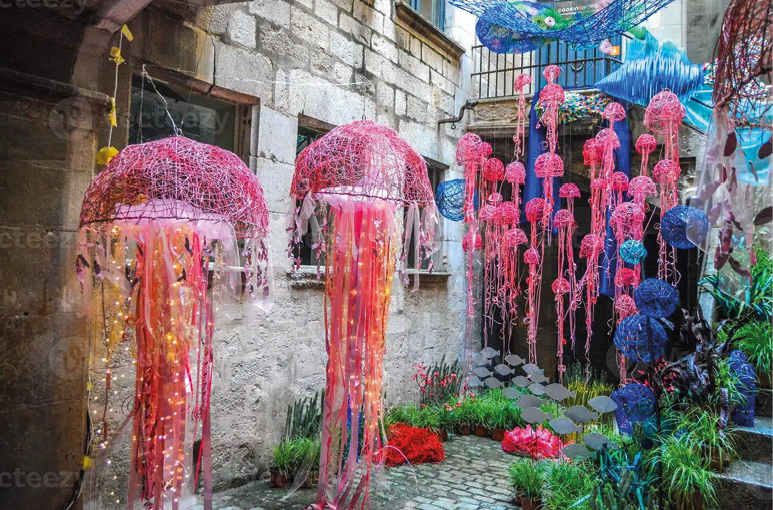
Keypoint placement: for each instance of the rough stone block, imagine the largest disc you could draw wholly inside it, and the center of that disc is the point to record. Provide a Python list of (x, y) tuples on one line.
[(241, 29), (347, 50), (418, 110), (401, 102), (275, 177), (414, 66), (385, 96), (309, 28), (432, 58), (368, 16), (326, 11), (350, 25), (278, 42), (277, 136), (235, 63), (384, 47), (274, 11), (443, 83)]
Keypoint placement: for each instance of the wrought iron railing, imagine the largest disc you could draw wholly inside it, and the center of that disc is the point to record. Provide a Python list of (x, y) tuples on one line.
[(493, 74)]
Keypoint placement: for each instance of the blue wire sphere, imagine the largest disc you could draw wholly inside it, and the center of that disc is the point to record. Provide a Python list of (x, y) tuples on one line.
[(743, 415), (684, 227), (635, 402), (641, 339), (632, 251), (656, 298), (450, 199)]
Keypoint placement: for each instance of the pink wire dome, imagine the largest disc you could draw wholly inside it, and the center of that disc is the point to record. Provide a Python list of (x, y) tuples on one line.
[(164, 178), (563, 218), (591, 246), (666, 170), (522, 80), (487, 213), (561, 286), (604, 135), (531, 256), (515, 237), (614, 112), (467, 245), (536, 209), (592, 152), (642, 186), (468, 148), (619, 181), (664, 114), (626, 277), (506, 214), (495, 198), (646, 144), (363, 159), (569, 190)]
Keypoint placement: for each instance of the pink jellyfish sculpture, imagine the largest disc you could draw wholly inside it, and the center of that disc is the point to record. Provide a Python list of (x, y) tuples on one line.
[(640, 189), (619, 187), (664, 116), (159, 233), (551, 97), (564, 222), (358, 178), (592, 152), (645, 145), (570, 192), (591, 247)]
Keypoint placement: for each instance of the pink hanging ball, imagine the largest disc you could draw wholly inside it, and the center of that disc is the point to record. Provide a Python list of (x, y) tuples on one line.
[(549, 164), (646, 144), (495, 198), (515, 237), (522, 80), (626, 277), (467, 242), (515, 173), (628, 213), (487, 213), (552, 94), (590, 246), (468, 148), (561, 286), (551, 73), (592, 152), (619, 181), (666, 170), (664, 114), (625, 306), (642, 187), (531, 256), (606, 135), (486, 150), (536, 209), (563, 218), (598, 183), (614, 112), (506, 214), (493, 170)]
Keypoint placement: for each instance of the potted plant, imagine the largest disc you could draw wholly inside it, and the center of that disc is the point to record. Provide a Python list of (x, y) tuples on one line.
[(482, 416), (568, 485), (688, 482), (313, 457), (283, 464), (528, 479), (428, 417), (464, 414), (500, 420)]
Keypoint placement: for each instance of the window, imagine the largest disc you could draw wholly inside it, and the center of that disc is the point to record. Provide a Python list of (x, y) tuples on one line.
[(436, 172), (308, 131), (433, 10), (202, 118)]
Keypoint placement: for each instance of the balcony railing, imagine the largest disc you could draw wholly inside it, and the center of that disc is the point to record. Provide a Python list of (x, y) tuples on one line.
[(494, 73)]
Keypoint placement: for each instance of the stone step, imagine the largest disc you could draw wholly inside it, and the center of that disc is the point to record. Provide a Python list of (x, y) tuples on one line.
[(747, 486), (764, 402), (756, 443)]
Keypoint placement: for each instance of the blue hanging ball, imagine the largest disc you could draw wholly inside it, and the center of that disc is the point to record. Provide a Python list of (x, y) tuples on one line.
[(656, 298), (684, 227), (632, 251), (641, 339), (450, 199), (635, 402)]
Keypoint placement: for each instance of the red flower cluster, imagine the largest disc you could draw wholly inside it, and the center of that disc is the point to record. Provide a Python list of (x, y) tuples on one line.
[(416, 444), (431, 385), (539, 444)]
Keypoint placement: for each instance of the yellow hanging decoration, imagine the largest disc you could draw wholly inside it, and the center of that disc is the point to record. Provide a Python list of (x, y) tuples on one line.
[(111, 113), (127, 33), (115, 55), (88, 463), (105, 154)]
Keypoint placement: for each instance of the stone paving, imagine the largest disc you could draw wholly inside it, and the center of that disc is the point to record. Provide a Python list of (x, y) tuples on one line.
[(472, 477)]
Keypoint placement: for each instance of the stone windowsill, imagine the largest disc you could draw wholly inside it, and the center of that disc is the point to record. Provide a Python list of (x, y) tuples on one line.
[(419, 24), (306, 278)]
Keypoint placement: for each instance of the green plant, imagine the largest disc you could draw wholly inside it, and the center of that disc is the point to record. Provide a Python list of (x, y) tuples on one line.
[(304, 417), (759, 297), (756, 341), (505, 415), (290, 454), (576, 373), (428, 417), (438, 382), (726, 380), (699, 426), (568, 485), (405, 413), (466, 412), (623, 483), (685, 473), (527, 477)]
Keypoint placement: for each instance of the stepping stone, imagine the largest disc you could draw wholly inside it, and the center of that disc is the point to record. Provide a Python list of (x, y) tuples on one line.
[(756, 443), (747, 486)]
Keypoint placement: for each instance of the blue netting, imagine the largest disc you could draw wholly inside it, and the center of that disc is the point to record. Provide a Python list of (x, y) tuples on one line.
[(500, 39), (532, 19), (632, 251), (744, 415), (450, 199), (635, 402), (656, 298), (682, 223), (650, 67), (640, 338)]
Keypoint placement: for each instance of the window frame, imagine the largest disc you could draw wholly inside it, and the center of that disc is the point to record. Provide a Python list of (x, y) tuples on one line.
[(440, 14)]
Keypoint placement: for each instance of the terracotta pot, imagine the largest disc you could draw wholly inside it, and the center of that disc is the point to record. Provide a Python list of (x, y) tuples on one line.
[(715, 464), (694, 503), (466, 430), (498, 434), (763, 381), (311, 480), (279, 479), (481, 431), (518, 500), (443, 435), (530, 504)]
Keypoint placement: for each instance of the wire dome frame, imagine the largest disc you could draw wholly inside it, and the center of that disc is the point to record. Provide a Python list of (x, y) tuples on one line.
[(641, 338), (684, 227), (656, 298), (450, 199), (635, 401), (177, 178), (532, 19), (632, 251), (363, 159)]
